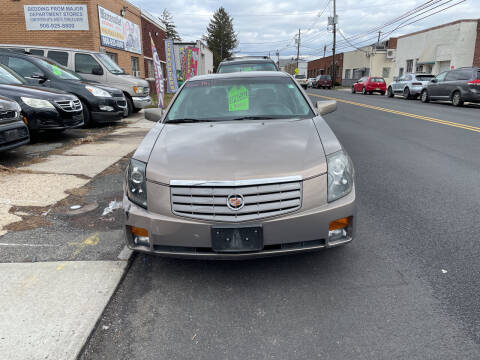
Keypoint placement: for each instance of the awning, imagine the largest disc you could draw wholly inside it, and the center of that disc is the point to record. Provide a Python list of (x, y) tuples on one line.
[(426, 63)]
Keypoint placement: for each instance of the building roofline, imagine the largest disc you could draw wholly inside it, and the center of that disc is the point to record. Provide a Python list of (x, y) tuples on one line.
[(438, 27), (150, 17)]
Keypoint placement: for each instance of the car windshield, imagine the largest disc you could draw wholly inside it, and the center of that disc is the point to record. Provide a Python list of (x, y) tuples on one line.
[(325, 77), (424, 77), (300, 77), (10, 77), (238, 67), (110, 64), (58, 70), (239, 99), (377, 80)]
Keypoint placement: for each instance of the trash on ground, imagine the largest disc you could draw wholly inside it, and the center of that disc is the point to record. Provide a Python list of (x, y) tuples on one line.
[(114, 205), (75, 207)]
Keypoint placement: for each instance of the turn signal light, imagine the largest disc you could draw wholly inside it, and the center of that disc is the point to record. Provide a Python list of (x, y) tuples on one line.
[(25, 120), (139, 231), (340, 223)]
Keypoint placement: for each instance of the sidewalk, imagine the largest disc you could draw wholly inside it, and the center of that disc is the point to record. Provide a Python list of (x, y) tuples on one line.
[(49, 308)]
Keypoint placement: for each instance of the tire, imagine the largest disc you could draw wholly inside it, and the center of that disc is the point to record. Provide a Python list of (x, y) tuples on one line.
[(457, 99), (406, 93), (87, 118), (353, 89), (370, 92), (382, 93), (136, 110), (390, 92), (129, 107), (364, 91), (424, 96)]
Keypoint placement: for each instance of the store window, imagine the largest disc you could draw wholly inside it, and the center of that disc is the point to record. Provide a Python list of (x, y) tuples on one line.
[(409, 66), (385, 72), (347, 74), (150, 70), (60, 57), (400, 72), (85, 63), (135, 67)]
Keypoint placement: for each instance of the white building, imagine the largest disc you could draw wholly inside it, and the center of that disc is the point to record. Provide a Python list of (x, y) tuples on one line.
[(205, 56), (440, 48)]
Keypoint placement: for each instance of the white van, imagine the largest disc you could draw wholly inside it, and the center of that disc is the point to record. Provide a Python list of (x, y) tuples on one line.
[(96, 66)]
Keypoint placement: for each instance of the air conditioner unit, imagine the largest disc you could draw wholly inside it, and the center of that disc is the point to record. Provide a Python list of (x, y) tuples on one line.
[(390, 54)]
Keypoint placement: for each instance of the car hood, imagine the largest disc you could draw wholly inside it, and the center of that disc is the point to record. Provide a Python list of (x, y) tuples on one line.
[(111, 90), (238, 150), (134, 80), (16, 91)]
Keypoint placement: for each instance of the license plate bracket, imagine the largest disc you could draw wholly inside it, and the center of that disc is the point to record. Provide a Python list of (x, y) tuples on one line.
[(236, 239)]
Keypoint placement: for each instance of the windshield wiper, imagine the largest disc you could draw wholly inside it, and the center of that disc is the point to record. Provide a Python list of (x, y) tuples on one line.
[(255, 118), (186, 120)]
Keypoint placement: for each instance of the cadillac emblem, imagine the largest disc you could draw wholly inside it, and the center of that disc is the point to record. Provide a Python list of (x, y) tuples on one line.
[(235, 202)]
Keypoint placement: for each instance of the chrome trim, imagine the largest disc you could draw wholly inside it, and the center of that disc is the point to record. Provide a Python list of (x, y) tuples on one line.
[(209, 183)]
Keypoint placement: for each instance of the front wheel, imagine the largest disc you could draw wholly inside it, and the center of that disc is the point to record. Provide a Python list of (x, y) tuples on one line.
[(390, 92), (364, 91), (457, 99), (129, 107), (87, 119), (424, 96)]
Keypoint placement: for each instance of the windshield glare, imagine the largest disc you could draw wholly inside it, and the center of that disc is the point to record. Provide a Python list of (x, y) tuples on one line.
[(237, 98), (229, 68), (300, 77), (109, 64), (58, 70), (9, 77), (377, 80)]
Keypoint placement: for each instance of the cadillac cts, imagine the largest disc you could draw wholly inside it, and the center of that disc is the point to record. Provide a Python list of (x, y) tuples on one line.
[(240, 165)]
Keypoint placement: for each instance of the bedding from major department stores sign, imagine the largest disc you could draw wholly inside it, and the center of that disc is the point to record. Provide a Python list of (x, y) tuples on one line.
[(56, 17)]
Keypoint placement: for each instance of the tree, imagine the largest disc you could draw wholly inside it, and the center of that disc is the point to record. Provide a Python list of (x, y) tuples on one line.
[(221, 38), (171, 31)]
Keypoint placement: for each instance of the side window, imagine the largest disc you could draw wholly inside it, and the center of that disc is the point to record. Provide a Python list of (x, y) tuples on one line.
[(451, 76), (59, 56), (441, 77), (465, 74), (23, 67), (85, 63), (39, 52), (408, 78)]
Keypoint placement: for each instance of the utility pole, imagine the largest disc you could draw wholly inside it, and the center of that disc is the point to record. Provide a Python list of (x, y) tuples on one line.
[(378, 41), (278, 59), (334, 41), (324, 50), (298, 46)]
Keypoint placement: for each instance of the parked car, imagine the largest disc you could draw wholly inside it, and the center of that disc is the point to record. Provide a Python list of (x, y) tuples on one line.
[(247, 63), (369, 85), (193, 189), (96, 66), (100, 103), (310, 82), (323, 81), (458, 86), (301, 80), (13, 131), (409, 85), (42, 108)]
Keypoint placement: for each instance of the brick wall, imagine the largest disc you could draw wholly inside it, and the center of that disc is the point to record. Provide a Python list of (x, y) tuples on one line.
[(13, 28), (476, 56), (324, 66), (159, 40)]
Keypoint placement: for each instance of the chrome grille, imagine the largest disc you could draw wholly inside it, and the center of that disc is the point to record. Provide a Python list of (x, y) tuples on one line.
[(9, 116), (70, 105), (121, 101), (261, 198)]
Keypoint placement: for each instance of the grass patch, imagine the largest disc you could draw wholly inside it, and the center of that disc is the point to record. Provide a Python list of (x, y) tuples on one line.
[(166, 99)]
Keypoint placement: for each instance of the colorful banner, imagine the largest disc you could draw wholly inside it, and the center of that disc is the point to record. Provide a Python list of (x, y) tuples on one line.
[(56, 17), (118, 33), (157, 68), (191, 59), (172, 85)]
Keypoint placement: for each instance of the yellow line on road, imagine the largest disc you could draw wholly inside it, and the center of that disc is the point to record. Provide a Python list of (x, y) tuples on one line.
[(402, 113)]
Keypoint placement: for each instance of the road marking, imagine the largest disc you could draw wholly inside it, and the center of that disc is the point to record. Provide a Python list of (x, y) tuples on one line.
[(402, 113), (90, 241)]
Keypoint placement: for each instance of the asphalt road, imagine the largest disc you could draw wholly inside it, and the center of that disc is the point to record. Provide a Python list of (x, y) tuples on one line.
[(406, 288)]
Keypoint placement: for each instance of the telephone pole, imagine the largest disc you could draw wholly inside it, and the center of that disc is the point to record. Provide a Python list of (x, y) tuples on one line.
[(334, 41), (298, 46), (278, 59)]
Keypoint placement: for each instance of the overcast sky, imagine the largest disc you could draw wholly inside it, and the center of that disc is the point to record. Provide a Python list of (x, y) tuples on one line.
[(267, 25)]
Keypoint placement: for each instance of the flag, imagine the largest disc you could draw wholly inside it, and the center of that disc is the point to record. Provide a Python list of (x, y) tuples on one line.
[(172, 84), (157, 68)]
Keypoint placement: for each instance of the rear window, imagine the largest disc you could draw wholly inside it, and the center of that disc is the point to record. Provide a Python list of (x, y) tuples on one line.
[(424, 77), (300, 77), (60, 57), (38, 52), (325, 77), (377, 80), (239, 67), (478, 75)]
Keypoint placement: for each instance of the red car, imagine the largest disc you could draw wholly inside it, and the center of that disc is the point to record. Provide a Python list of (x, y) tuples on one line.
[(323, 81), (369, 85)]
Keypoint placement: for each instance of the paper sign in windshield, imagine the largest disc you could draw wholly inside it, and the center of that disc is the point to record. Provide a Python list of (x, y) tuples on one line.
[(238, 99), (56, 70)]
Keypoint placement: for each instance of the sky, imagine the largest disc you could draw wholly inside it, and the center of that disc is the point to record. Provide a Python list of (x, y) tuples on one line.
[(269, 25)]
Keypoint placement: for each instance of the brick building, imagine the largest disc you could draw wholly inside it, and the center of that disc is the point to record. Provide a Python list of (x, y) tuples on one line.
[(323, 66), (15, 29)]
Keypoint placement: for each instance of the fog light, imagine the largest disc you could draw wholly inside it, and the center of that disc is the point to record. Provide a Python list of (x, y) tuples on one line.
[(140, 236), (106, 108), (334, 235), (338, 229)]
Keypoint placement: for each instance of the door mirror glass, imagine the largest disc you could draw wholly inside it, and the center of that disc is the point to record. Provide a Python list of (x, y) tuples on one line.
[(434, 81), (154, 114)]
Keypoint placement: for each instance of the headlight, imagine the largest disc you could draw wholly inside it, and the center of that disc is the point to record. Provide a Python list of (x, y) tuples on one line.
[(97, 91), (340, 175), (137, 183), (138, 89), (37, 103)]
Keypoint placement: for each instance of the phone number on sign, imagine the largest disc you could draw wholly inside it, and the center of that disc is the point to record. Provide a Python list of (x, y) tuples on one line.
[(57, 26)]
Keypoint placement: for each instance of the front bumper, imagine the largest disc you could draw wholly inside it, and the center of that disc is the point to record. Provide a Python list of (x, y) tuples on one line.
[(109, 110), (141, 102), (304, 230), (13, 135), (52, 119)]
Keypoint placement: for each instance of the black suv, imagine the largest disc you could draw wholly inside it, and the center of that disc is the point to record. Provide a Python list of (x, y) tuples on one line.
[(42, 108), (100, 103), (247, 63), (13, 131), (458, 86)]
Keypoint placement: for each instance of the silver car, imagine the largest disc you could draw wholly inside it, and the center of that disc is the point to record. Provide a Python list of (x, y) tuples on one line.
[(240, 165), (409, 85)]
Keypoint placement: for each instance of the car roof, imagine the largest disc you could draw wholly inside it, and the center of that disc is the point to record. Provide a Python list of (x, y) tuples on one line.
[(242, 74), (247, 59)]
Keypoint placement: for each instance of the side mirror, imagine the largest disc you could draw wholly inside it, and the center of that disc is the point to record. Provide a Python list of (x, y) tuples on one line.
[(154, 114), (434, 81), (326, 107), (97, 70)]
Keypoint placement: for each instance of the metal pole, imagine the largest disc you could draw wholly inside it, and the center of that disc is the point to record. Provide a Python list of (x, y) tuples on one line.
[(298, 47), (334, 42)]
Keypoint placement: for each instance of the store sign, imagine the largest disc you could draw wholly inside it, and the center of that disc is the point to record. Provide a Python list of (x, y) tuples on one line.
[(56, 17), (118, 33), (172, 84)]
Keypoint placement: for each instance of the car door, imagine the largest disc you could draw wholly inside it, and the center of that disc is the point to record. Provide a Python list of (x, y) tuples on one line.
[(448, 84), (359, 84), (88, 67), (435, 84)]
